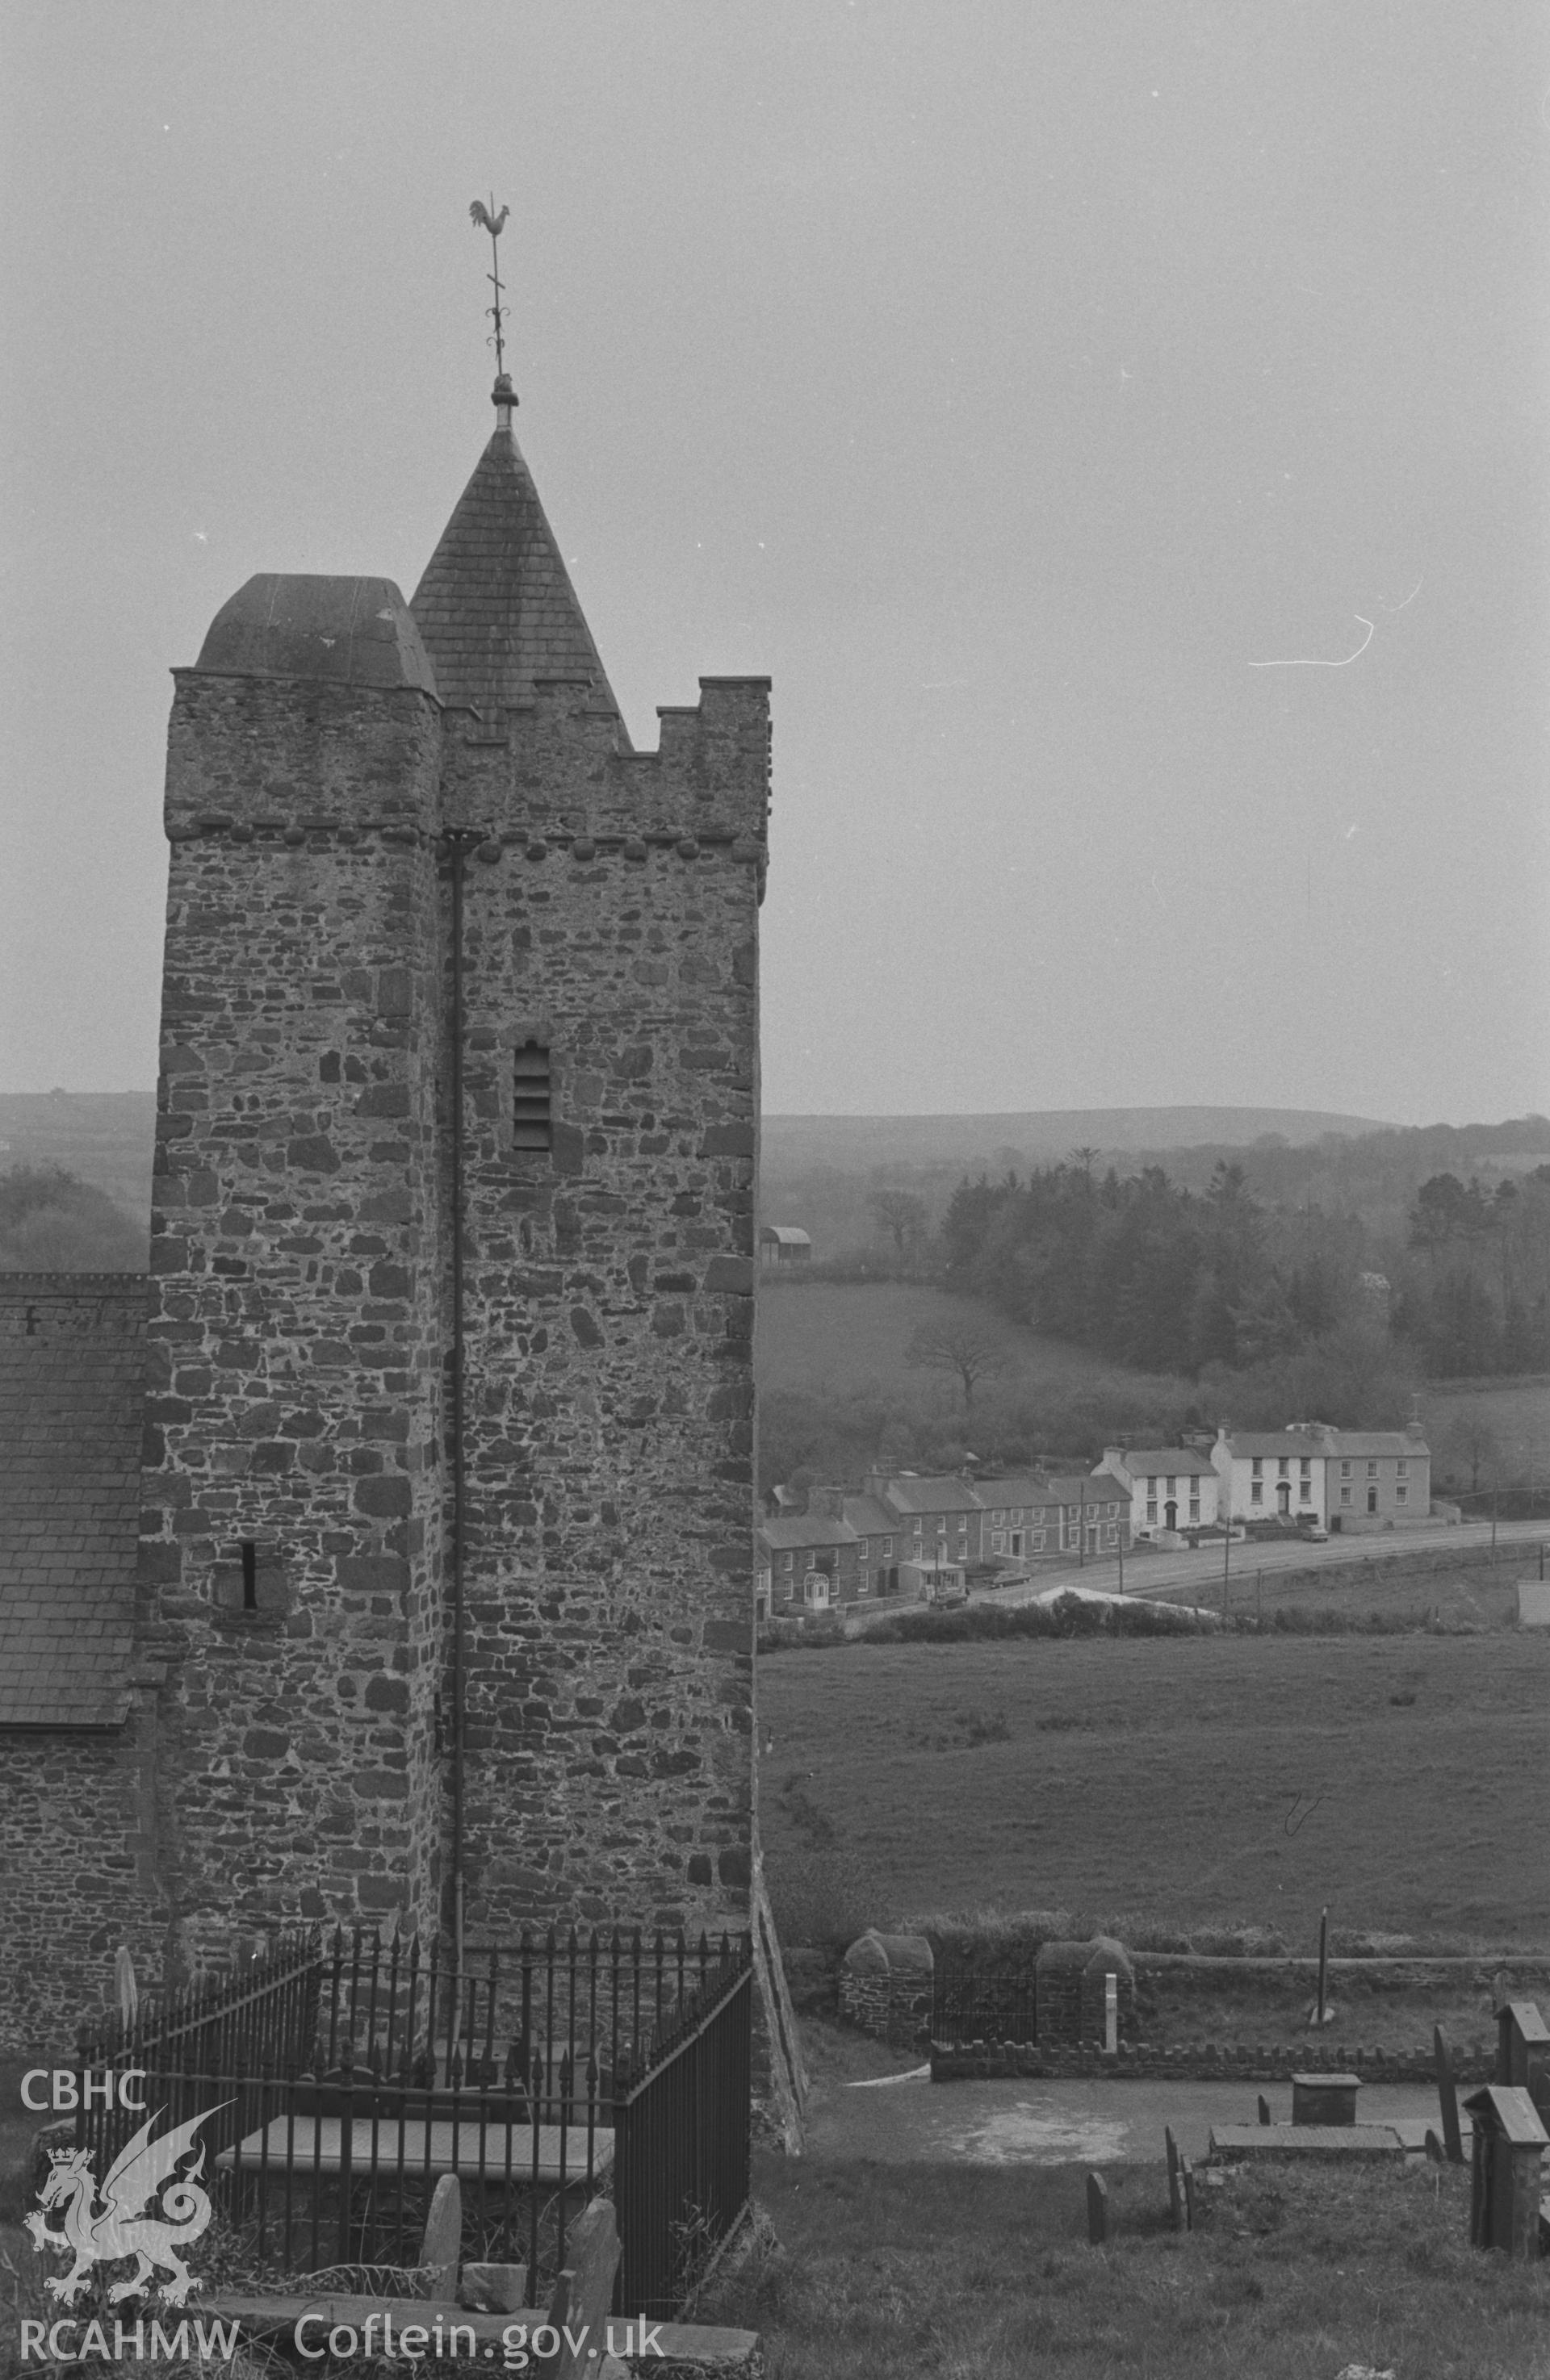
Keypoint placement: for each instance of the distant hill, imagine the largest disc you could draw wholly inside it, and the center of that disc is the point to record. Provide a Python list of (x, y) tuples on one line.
[(793, 1144)]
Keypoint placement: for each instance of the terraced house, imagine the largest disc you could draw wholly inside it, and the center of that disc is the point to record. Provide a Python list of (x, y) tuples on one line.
[(1377, 1478), (1346, 1480), (914, 1533), (1171, 1488)]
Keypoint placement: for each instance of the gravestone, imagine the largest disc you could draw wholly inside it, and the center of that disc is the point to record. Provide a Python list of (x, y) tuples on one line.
[(584, 2292), (444, 2232), (1509, 2141), (1176, 2196), (1448, 2094)]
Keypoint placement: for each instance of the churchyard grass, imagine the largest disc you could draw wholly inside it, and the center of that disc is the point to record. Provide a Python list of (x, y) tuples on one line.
[(1203, 1781), (860, 2269)]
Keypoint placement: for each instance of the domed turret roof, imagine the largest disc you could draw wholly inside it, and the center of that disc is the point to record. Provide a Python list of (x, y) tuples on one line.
[(359, 631)]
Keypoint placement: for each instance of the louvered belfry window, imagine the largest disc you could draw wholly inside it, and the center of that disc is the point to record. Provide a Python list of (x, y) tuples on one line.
[(532, 1105)]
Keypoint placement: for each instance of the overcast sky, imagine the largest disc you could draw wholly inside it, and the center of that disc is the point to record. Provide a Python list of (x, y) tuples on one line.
[(1118, 430)]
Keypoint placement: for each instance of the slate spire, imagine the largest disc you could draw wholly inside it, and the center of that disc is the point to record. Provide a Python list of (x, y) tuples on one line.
[(496, 608)]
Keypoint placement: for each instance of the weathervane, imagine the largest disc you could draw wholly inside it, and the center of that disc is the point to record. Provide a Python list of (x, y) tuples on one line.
[(480, 213)]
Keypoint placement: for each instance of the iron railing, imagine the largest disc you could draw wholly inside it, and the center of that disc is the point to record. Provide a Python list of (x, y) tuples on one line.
[(233, 2021), (971, 2004), (681, 2168), (337, 2086)]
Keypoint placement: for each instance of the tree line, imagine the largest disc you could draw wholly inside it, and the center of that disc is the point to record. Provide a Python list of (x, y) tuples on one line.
[(50, 1221), (1163, 1278)]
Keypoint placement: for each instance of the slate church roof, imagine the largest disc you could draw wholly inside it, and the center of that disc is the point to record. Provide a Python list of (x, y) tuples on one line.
[(71, 1378), (496, 608)]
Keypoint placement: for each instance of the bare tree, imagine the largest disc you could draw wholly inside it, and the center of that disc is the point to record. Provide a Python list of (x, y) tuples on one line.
[(902, 1215), (965, 1349), (1470, 1438)]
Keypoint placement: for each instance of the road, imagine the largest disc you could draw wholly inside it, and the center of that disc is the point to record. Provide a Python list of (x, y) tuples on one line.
[(1155, 1575)]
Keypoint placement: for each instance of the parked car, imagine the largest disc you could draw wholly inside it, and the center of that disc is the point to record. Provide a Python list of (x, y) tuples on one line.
[(1314, 1531)]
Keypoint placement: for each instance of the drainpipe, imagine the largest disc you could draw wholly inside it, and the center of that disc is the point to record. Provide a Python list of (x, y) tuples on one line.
[(454, 1399)]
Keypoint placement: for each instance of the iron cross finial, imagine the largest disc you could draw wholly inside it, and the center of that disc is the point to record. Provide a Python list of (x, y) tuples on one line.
[(494, 224)]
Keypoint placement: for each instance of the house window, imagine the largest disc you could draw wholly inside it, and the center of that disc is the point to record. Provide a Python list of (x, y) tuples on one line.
[(1306, 1466), (1151, 1508), (1036, 1541), (1372, 1471), (1306, 1494), (862, 1550), (887, 1547), (1283, 1467), (1258, 1467), (1345, 1470), (998, 1541), (1194, 1503), (1344, 1495), (1256, 1492), (1401, 1494), (787, 1561), (531, 1116), (1173, 1487), (1402, 1470)]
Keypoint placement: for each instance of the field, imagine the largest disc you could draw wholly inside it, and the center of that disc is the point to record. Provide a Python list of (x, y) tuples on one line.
[(1402, 1781), (1517, 1414), (1464, 1592), (840, 1335)]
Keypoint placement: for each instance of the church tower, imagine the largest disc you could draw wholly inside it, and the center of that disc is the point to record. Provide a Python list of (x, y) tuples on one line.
[(447, 1489)]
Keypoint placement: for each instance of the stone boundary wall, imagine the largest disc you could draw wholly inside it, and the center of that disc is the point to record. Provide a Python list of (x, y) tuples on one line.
[(887, 1986), (896, 2009), (1199, 2061)]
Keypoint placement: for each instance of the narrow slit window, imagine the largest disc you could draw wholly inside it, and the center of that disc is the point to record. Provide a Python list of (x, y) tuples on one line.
[(531, 1102), (248, 1551)]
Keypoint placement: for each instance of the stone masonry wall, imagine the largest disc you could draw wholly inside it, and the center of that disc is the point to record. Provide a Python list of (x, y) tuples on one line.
[(611, 914), (78, 1826), (297, 1329)]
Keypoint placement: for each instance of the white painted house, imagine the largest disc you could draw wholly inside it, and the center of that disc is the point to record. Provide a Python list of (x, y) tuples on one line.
[(1172, 1489), (1273, 1474)]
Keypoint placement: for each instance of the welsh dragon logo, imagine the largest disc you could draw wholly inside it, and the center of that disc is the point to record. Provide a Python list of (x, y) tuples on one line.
[(119, 2224)]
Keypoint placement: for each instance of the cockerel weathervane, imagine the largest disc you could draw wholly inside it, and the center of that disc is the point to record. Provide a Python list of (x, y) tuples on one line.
[(494, 224)]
